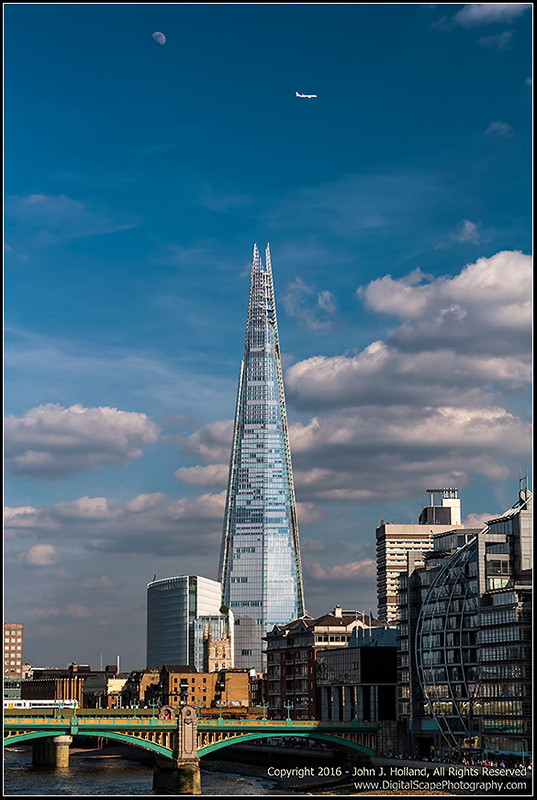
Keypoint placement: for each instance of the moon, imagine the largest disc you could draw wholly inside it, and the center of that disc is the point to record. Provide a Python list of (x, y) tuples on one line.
[(159, 37)]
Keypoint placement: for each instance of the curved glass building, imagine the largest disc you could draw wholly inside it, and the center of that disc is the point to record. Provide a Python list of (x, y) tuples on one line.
[(260, 567), (179, 612), (446, 646), (472, 642)]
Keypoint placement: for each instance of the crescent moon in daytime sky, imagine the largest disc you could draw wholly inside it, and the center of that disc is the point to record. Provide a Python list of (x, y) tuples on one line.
[(159, 37)]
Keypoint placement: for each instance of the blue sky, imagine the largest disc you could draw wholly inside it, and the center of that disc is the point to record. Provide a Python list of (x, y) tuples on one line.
[(138, 176)]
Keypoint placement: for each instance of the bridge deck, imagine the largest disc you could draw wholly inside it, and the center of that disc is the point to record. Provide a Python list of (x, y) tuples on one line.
[(159, 734), (130, 723)]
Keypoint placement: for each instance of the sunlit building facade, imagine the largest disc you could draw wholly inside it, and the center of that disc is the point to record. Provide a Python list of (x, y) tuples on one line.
[(395, 541), (471, 647), (260, 567)]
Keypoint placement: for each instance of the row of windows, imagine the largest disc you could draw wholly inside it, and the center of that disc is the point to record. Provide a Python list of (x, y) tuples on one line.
[(465, 708), (319, 639), (499, 616), (500, 654), (245, 604), (498, 635), (502, 672)]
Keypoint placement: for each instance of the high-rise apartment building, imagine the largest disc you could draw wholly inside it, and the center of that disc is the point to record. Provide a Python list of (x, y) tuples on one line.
[(260, 567), (13, 635), (395, 541), (181, 612)]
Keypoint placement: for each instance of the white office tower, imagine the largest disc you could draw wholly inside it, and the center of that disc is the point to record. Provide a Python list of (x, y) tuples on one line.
[(395, 542)]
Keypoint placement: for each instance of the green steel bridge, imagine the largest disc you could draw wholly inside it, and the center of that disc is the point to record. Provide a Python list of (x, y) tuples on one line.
[(160, 735)]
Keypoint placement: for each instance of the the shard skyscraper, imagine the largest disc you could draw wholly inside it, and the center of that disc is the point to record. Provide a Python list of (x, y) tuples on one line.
[(260, 568)]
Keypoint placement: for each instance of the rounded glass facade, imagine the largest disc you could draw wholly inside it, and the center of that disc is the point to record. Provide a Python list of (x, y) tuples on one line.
[(446, 647)]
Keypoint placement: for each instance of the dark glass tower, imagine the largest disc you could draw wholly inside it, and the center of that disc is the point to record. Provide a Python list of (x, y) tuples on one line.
[(260, 567)]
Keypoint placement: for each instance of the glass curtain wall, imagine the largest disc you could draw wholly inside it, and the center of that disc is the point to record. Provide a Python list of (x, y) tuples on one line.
[(260, 568)]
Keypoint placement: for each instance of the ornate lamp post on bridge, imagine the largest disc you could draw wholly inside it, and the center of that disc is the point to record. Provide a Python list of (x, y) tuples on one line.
[(288, 706)]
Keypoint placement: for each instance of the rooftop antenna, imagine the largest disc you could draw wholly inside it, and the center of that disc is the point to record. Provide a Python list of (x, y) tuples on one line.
[(523, 486)]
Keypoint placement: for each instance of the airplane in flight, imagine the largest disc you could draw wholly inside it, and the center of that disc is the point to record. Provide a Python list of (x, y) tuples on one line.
[(305, 95)]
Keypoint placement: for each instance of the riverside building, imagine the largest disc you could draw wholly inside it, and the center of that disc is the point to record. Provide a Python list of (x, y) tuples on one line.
[(292, 654), (466, 678), (260, 567), (395, 541)]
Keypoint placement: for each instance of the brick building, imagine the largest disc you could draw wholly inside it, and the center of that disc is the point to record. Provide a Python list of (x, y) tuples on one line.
[(134, 691), (292, 659), (13, 636), (70, 684), (225, 689)]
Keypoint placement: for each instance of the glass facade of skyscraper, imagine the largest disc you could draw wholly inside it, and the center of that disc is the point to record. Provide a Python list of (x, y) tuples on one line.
[(260, 567), (178, 611)]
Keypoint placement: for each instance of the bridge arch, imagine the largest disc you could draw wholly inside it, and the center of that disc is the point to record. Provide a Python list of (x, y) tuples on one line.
[(324, 737), (124, 738)]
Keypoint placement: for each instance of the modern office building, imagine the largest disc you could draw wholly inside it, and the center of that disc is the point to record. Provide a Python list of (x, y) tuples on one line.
[(13, 639), (260, 567), (180, 613), (394, 541), (469, 675), (359, 682)]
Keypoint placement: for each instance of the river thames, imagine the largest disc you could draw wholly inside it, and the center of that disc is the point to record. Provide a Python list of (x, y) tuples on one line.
[(108, 776)]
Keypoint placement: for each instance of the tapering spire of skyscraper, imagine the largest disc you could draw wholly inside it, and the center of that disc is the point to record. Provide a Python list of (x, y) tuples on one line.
[(260, 568)]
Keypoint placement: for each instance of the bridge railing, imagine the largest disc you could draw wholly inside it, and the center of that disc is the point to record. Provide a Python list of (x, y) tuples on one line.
[(203, 724), (286, 723), (89, 722)]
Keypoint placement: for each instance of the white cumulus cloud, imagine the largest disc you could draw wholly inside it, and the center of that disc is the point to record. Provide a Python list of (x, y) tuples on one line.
[(148, 523), (352, 571), (500, 129), (210, 475), (467, 231), (51, 441), (484, 13), (485, 308), (41, 555)]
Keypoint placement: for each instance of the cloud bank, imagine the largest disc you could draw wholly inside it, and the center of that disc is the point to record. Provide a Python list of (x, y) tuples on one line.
[(51, 441), (149, 523), (430, 403)]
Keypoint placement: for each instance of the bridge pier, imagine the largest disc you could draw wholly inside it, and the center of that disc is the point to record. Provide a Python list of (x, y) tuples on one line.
[(180, 775), (177, 776), (52, 752)]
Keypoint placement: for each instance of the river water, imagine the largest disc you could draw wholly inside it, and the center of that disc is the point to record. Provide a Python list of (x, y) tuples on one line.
[(106, 777)]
